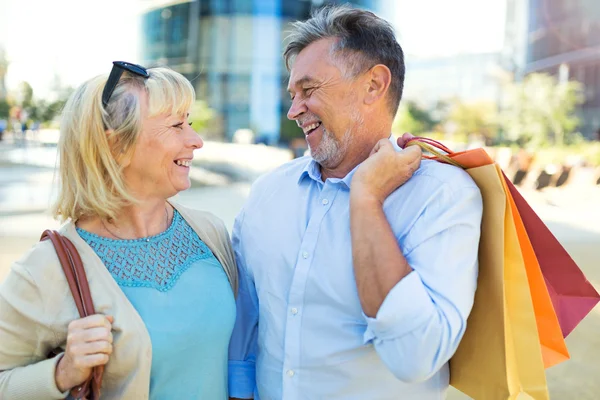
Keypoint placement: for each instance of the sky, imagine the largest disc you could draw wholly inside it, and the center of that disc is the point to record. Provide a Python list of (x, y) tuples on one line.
[(77, 39), (429, 28), (74, 39)]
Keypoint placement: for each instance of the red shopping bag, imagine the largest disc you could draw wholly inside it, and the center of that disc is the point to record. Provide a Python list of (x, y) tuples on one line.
[(572, 295)]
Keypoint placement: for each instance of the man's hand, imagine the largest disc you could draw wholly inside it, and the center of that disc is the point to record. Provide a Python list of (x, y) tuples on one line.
[(384, 171), (402, 140)]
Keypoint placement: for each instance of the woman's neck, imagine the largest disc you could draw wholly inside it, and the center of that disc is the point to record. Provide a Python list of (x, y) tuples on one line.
[(132, 222)]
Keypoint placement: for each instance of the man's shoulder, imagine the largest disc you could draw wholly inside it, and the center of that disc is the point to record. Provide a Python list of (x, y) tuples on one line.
[(437, 183), (445, 175)]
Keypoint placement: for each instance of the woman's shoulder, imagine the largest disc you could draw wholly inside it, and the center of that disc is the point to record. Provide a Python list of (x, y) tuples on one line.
[(38, 270), (38, 260)]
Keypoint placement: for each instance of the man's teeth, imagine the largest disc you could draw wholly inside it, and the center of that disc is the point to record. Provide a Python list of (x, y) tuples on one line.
[(185, 163), (310, 127)]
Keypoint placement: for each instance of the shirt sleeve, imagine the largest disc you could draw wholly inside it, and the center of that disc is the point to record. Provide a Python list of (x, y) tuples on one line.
[(423, 318), (242, 347)]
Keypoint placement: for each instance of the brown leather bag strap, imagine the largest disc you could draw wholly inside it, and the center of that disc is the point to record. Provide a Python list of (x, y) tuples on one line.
[(66, 262), (80, 277), (78, 284)]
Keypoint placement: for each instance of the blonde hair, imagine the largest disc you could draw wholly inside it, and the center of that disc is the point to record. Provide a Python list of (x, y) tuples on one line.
[(93, 139)]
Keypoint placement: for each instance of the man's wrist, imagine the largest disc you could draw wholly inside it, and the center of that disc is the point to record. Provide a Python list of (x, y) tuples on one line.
[(363, 198)]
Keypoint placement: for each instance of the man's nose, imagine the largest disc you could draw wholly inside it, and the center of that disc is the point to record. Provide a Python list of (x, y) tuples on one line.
[(297, 108)]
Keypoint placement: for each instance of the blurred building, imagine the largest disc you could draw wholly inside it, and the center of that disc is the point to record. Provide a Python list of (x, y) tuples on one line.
[(514, 51), (231, 50), (469, 77), (564, 40)]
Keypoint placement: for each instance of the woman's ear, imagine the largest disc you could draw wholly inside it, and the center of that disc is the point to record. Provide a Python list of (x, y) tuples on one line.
[(378, 81), (117, 149)]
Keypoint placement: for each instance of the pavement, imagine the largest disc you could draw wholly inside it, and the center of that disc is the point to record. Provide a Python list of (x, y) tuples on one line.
[(221, 183)]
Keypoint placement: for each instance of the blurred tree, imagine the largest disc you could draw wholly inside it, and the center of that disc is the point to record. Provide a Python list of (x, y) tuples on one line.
[(3, 70), (47, 112), (289, 130), (24, 95), (37, 109), (4, 109), (202, 116), (540, 110), (478, 118), (413, 118)]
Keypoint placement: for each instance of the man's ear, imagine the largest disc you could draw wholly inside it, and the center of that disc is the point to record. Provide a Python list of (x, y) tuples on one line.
[(378, 81)]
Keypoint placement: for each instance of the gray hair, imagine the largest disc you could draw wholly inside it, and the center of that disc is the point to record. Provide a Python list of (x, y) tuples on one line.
[(364, 40)]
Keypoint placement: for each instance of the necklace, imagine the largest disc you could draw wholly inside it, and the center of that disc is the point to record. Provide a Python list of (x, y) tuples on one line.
[(147, 239)]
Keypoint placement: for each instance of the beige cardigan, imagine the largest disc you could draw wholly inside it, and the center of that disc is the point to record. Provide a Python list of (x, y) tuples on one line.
[(36, 307)]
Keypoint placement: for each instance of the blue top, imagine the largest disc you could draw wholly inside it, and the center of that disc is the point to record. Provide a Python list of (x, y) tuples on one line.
[(184, 298), (304, 335)]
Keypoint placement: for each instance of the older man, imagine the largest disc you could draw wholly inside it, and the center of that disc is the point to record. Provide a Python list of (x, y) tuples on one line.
[(355, 281)]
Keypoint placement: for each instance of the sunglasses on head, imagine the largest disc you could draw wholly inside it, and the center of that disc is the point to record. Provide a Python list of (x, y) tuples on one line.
[(115, 74)]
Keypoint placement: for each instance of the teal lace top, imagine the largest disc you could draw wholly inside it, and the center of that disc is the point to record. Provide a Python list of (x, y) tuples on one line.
[(184, 297)]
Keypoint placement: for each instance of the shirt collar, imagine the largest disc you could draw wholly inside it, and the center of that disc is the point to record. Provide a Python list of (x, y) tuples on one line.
[(313, 170)]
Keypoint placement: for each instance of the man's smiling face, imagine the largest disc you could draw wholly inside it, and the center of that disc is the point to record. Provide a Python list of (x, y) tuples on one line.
[(324, 103)]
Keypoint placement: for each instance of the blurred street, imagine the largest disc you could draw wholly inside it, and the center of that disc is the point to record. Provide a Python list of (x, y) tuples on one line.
[(26, 187)]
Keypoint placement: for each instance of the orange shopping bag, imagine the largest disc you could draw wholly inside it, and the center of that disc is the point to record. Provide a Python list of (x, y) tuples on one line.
[(554, 348)]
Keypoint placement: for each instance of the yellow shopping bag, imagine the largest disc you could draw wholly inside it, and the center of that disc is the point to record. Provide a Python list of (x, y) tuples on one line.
[(525, 366)]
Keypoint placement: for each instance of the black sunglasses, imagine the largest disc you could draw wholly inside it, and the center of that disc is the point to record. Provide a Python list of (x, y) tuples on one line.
[(115, 75)]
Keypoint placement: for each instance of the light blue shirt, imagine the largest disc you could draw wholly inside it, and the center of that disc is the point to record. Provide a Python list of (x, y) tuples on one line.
[(301, 332), (183, 295)]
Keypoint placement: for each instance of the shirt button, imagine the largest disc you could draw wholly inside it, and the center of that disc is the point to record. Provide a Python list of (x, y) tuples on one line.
[(294, 311), (290, 373), (325, 202), (305, 254)]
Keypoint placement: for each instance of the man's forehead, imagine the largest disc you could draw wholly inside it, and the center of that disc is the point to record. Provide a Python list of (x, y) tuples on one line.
[(315, 53)]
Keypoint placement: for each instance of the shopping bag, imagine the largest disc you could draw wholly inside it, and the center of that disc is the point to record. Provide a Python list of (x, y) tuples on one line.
[(554, 349), (500, 355), (573, 296)]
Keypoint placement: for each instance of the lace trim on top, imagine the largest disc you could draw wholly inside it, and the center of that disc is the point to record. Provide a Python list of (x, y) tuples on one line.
[(153, 262)]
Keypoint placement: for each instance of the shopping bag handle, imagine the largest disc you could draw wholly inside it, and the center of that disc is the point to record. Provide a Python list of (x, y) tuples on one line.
[(434, 147)]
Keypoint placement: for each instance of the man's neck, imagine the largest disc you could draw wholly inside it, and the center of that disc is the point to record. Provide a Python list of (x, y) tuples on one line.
[(357, 153)]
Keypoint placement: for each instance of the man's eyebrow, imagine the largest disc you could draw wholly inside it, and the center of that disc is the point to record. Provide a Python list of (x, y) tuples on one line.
[(302, 81)]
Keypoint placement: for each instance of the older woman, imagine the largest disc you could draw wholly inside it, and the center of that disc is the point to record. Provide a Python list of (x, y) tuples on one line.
[(162, 276)]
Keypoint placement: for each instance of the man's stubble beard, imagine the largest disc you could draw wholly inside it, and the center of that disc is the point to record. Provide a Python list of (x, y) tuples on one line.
[(331, 151)]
